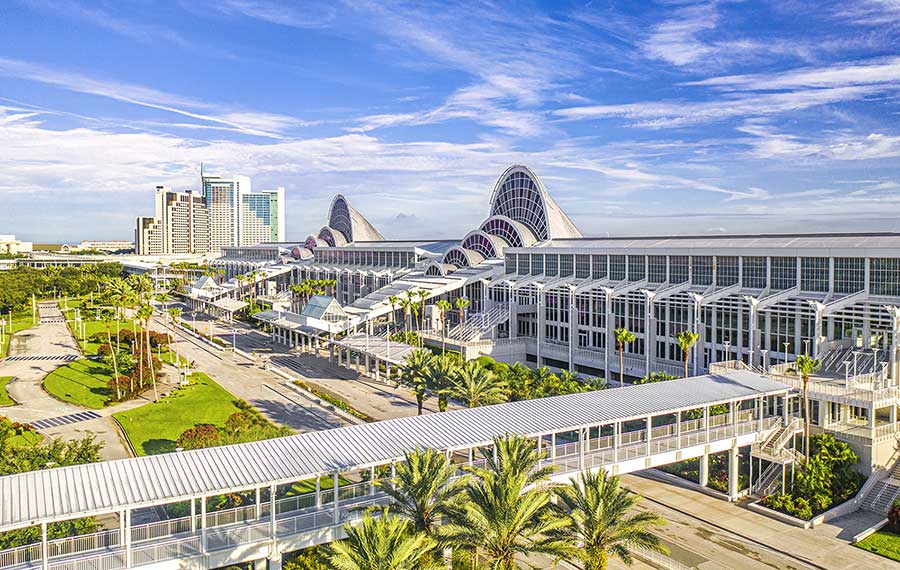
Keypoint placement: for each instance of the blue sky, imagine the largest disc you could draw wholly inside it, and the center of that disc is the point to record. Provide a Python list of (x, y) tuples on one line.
[(641, 118)]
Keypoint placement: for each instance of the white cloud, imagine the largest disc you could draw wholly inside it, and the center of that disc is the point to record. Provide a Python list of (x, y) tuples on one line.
[(870, 72), (246, 122), (677, 40)]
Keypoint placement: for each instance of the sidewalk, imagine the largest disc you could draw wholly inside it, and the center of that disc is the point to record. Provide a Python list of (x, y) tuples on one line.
[(731, 537)]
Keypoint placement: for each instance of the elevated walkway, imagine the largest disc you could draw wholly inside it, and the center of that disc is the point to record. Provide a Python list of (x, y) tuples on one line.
[(621, 430)]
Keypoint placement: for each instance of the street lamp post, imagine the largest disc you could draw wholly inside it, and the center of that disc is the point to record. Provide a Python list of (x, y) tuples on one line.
[(727, 345), (786, 344), (806, 346)]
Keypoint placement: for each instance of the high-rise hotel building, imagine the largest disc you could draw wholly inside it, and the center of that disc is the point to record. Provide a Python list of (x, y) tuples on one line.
[(239, 217), (181, 225)]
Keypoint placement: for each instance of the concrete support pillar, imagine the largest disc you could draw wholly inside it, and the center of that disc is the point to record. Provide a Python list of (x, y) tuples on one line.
[(45, 554), (274, 562), (573, 327), (609, 342), (704, 470), (734, 463), (649, 333), (335, 488), (260, 564), (540, 323), (203, 524), (649, 421)]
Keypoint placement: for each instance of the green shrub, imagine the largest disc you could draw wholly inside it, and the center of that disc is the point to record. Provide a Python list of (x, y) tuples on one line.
[(797, 507)]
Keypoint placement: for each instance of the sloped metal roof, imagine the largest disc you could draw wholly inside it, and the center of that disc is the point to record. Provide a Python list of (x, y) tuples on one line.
[(97, 488)]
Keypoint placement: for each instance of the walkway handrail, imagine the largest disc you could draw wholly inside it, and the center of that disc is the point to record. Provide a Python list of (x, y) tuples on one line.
[(170, 539)]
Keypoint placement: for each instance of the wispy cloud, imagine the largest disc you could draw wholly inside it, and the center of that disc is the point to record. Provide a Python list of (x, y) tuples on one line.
[(308, 14), (245, 122), (144, 33)]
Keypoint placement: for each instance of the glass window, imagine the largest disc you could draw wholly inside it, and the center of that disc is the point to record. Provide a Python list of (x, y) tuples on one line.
[(784, 272), (657, 269), (636, 267), (814, 274), (726, 271), (702, 269), (523, 264), (884, 277), (679, 270), (510, 262), (598, 266), (849, 274), (552, 265), (582, 266), (566, 268), (537, 263), (755, 274), (617, 267)]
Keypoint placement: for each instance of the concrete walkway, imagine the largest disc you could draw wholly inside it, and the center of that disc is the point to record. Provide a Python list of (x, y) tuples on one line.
[(52, 337), (711, 534), (249, 381)]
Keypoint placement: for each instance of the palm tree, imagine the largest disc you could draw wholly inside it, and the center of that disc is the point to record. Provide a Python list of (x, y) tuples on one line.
[(422, 491), (461, 303), (411, 298), (107, 316), (118, 293), (520, 381), (806, 365), (404, 304), (423, 296), (146, 312), (175, 312), (476, 386), (508, 513), (439, 377), (686, 340), (383, 543), (599, 524), (623, 337), (413, 374), (394, 301), (444, 307)]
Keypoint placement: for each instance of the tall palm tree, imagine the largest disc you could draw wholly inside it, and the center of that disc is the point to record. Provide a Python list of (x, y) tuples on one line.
[(422, 489), (686, 340), (599, 523), (383, 543), (108, 316), (413, 374), (461, 303), (444, 307), (520, 381), (411, 298), (118, 293), (404, 304), (476, 386), (623, 337), (175, 313), (439, 377), (394, 301), (145, 313), (508, 513), (423, 296), (806, 365)]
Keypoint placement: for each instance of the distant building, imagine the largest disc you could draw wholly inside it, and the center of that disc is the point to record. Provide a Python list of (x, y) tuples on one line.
[(105, 245), (237, 216), (11, 246), (181, 225)]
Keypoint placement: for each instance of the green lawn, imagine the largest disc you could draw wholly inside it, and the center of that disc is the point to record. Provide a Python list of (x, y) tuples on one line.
[(5, 400), (82, 382), (26, 439), (883, 542), (154, 427), (21, 320)]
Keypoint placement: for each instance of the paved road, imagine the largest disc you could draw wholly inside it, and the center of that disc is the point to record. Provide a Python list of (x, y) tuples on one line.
[(709, 534), (248, 381), (375, 399), (52, 338)]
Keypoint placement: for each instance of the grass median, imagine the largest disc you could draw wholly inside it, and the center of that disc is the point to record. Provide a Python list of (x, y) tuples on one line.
[(884, 543), (82, 382), (5, 400), (154, 428), (21, 320)]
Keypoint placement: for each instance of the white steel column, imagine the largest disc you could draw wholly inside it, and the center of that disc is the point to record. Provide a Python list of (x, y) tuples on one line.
[(610, 321), (203, 524), (649, 332), (733, 473), (126, 530), (335, 491), (704, 470), (45, 563), (540, 322), (573, 327)]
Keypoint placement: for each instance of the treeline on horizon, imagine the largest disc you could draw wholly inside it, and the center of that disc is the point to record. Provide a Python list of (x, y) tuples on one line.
[(18, 285)]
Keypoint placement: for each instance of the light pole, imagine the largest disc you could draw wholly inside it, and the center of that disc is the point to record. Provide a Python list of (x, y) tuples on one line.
[(234, 341), (727, 345), (765, 359), (786, 344), (806, 346)]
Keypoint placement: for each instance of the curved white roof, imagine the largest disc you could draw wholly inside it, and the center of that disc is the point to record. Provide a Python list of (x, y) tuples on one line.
[(346, 219), (520, 195)]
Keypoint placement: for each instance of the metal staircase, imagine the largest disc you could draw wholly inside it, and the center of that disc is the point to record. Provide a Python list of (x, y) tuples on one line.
[(768, 481), (476, 325), (883, 494)]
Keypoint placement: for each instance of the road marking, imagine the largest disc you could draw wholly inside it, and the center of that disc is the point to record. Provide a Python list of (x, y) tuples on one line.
[(64, 420)]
